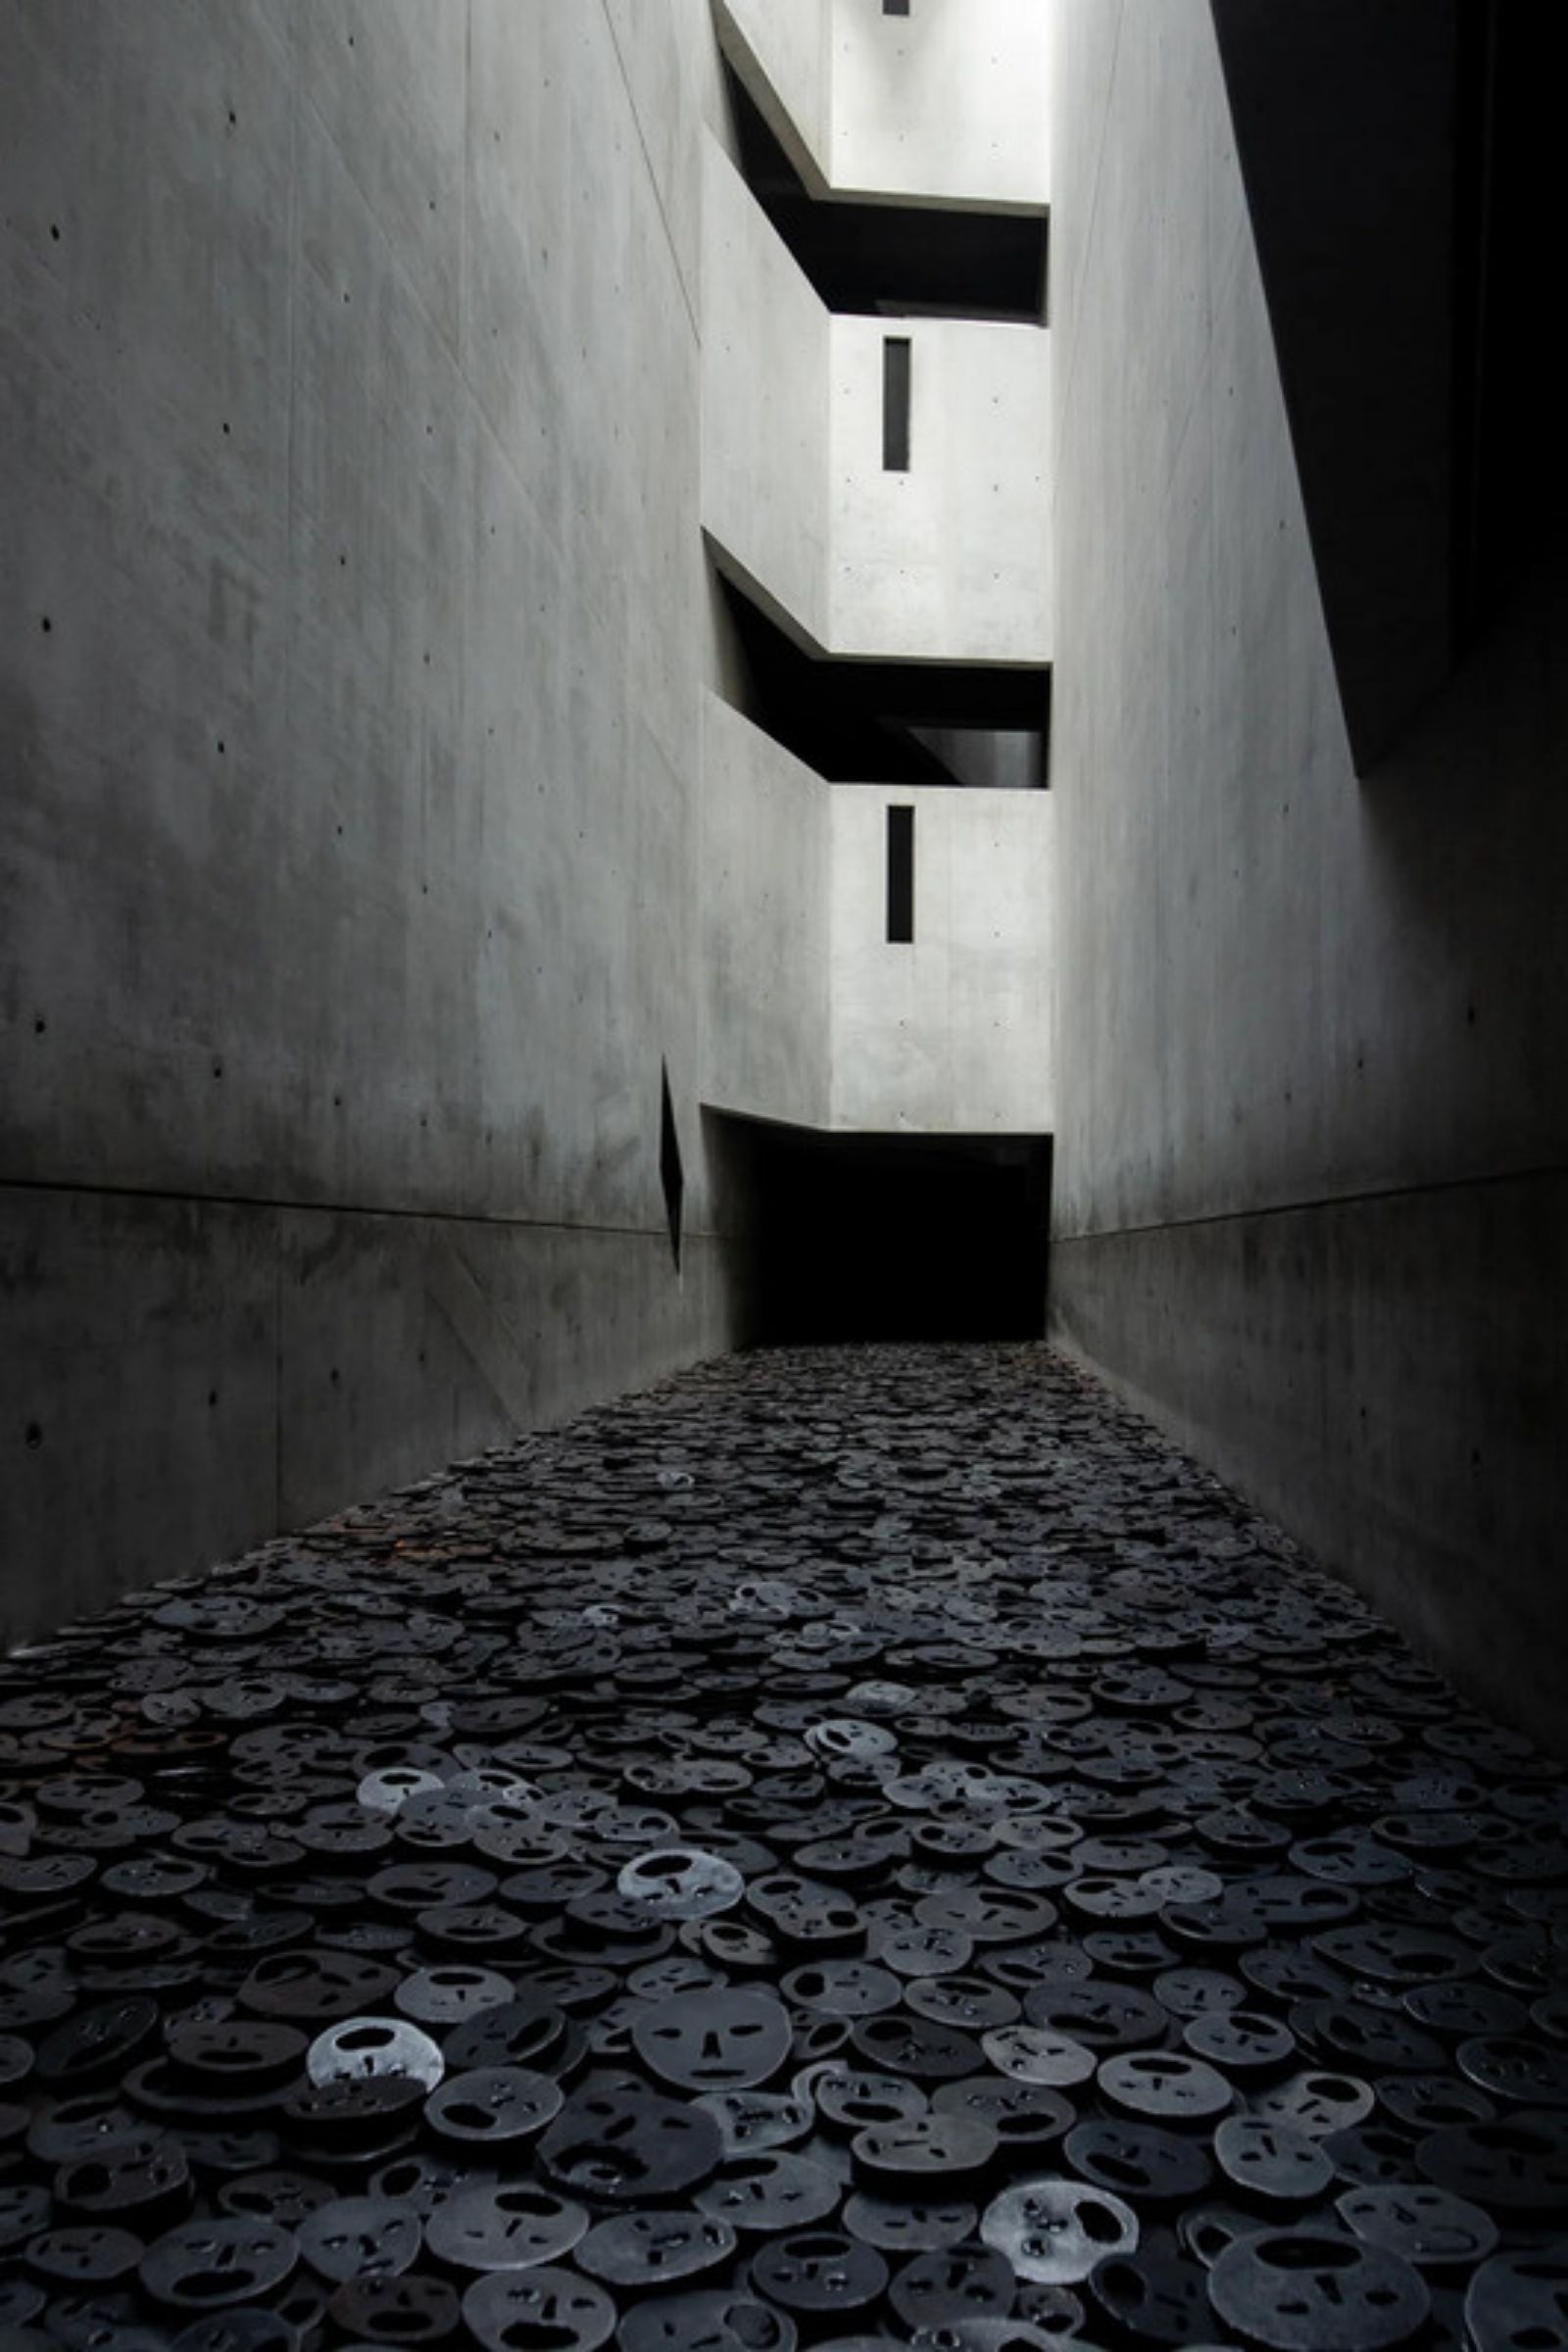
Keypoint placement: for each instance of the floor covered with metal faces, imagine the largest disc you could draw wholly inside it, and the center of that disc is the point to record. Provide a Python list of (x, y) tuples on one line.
[(851, 1847)]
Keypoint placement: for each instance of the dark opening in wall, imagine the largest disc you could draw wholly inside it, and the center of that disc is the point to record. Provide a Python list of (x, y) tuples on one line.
[(894, 8), (901, 875), (1511, 498), (889, 722), (858, 1237), (903, 257), (897, 372), (671, 1174)]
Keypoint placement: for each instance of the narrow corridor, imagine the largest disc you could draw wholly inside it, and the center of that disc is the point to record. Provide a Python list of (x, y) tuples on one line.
[(850, 1847)]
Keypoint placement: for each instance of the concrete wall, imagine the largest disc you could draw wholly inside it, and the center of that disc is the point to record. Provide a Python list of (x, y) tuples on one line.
[(950, 1032), (809, 1015), (766, 964), (764, 406), (353, 621), (1309, 1199), (948, 103), (784, 57), (948, 560)]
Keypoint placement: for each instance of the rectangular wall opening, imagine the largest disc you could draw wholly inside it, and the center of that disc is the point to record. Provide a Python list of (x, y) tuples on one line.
[(901, 875), (853, 1238), (671, 1174), (894, 8), (897, 366)]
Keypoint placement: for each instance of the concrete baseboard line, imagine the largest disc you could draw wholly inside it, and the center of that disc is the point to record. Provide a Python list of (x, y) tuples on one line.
[(1541, 1173)]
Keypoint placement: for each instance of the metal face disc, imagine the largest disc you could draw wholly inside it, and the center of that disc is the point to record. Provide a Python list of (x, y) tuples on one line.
[(753, 2120), (1037, 2054), (954, 2288), (1516, 2166), (773, 2191), (723, 2320), (143, 2180), (412, 2310), (511, 2227), (1153, 2297), (913, 2225), (851, 2100), (1426, 2226), (204, 2266), (96, 2041), (654, 2248), (624, 2145), (1164, 2084), (360, 2047), (705, 2041), (528, 2033), (1140, 2160), (680, 1882), (89, 2255), (1519, 2300), (492, 2107), (1314, 2101), (1273, 2161), (449, 1993), (1105, 2016), (1055, 2230), (553, 2308), (1306, 2291), (819, 2273), (360, 2237), (924, 2151)]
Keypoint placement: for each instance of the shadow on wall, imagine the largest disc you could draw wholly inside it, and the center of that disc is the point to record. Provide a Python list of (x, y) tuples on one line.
[(861, 1237)]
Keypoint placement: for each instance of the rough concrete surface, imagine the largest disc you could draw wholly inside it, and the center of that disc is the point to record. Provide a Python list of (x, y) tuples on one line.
[(1311, 1028), (354, 615)]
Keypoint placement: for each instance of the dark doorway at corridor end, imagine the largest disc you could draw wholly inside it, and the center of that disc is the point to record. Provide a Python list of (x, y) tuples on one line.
[(872, 1237)]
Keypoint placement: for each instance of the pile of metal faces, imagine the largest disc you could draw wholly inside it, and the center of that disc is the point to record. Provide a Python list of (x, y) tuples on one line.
[(848, 1848)]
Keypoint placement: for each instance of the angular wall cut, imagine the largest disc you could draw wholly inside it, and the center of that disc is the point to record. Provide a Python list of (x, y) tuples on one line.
[(812, 1016), (767, 926), (945, 104), (945, 557), (1309, 1192)]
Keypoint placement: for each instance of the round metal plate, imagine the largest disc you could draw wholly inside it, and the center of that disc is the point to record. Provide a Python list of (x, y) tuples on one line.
[(1306, 2291), (1055, 2230), (546, 2307), (507, 2227)]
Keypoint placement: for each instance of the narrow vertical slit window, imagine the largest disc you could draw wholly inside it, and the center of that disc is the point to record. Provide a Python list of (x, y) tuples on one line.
[(671, 1174), (901, 875), (897, 356)]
